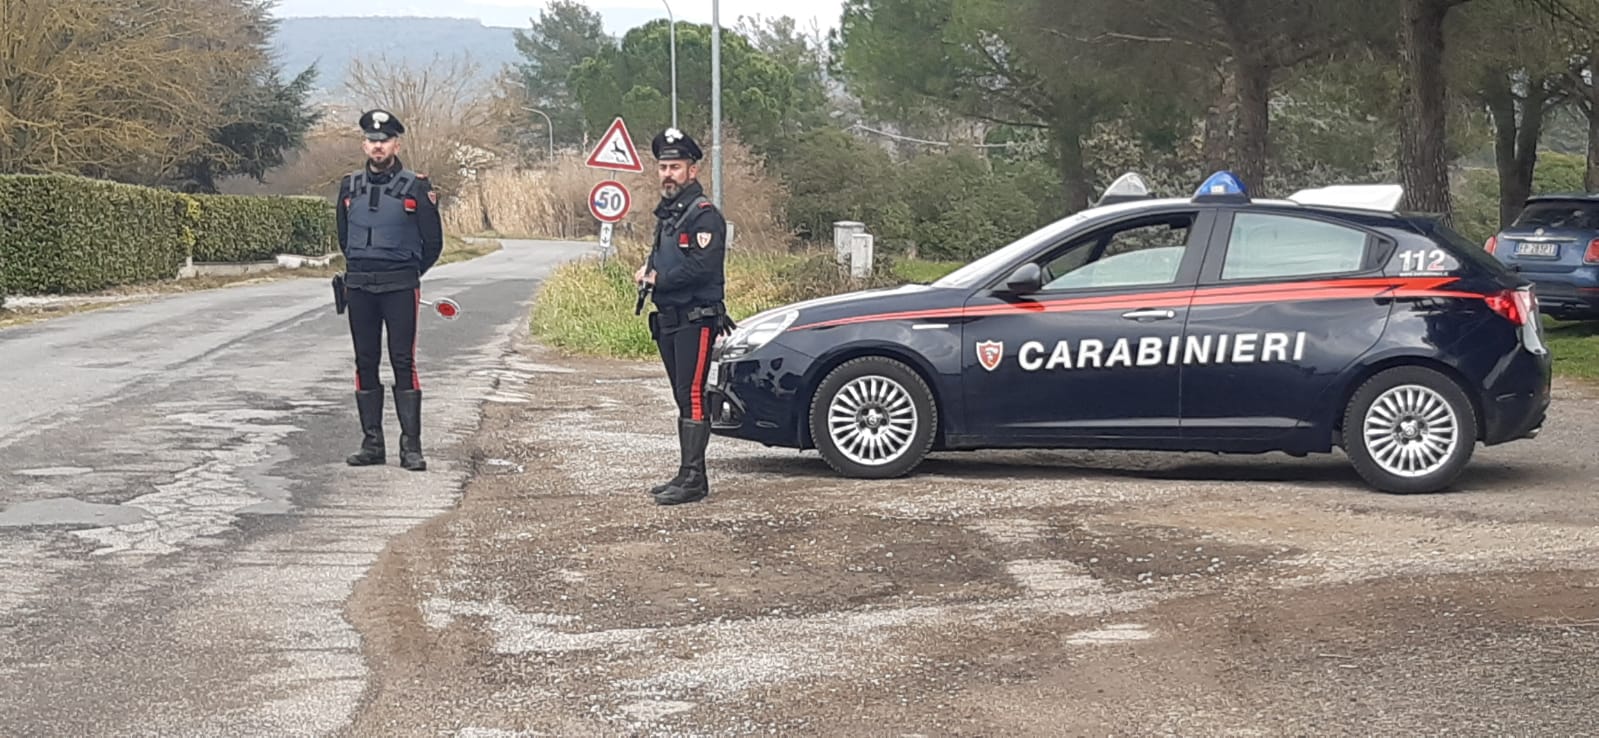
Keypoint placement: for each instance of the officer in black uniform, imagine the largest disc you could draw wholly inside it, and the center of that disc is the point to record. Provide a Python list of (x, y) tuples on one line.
[(685, 271), (391, 235)]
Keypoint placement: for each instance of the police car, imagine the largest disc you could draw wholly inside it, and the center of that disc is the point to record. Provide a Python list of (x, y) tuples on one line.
[(1213, 323)]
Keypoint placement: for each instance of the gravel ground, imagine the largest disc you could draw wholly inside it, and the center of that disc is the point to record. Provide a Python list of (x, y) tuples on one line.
[(1015, 593)]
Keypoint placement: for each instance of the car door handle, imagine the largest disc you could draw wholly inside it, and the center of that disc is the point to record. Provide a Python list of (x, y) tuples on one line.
[(1152, 314)]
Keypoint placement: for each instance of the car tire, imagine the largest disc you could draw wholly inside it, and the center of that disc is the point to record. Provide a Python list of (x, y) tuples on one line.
[(873, 418), (1410, 430)]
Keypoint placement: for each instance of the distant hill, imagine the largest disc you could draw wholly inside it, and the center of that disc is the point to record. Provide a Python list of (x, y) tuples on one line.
[(331, 44)]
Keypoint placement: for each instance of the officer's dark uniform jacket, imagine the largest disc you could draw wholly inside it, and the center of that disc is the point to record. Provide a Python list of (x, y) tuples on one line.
[(690, 242), (387, 246)]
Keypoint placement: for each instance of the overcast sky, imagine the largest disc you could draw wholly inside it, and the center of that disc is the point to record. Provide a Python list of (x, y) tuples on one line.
[(619, 14)]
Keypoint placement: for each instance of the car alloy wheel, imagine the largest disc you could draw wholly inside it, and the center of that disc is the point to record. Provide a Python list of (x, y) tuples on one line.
[(1411, 431), (872, 420)]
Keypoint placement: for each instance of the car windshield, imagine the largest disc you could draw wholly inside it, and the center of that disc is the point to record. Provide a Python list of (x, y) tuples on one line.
[(1572, 214), (983, 268)]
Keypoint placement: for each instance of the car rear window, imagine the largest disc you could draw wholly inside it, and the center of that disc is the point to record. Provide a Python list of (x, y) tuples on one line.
[(1463, 248), (1574, 214)]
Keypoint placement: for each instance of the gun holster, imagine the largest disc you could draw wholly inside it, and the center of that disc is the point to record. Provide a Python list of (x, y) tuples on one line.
[(338, 293)]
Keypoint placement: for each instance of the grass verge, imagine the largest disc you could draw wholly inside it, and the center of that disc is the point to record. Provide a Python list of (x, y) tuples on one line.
[(586, 307), (1575, 347)]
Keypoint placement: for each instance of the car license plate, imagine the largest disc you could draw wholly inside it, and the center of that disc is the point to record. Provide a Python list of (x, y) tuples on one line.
[(1543, 250), (716, 371)]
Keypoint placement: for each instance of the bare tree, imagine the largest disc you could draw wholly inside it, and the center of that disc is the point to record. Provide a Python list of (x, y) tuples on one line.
[(122, 90), (448, 112)]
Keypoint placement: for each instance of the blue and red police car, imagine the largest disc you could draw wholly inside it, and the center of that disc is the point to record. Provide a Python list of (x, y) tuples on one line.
[(1214, 323)]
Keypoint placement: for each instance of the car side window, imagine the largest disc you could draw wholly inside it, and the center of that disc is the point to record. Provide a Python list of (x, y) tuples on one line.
[(1147, 252), (1265, 246)]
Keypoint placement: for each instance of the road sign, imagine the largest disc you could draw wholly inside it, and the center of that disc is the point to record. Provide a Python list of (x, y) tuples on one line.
[(615, 151), (605, 236), (609, 201)]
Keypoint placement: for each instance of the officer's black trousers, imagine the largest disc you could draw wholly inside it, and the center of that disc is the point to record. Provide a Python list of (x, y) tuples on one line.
[(686, 351), (369, 313)]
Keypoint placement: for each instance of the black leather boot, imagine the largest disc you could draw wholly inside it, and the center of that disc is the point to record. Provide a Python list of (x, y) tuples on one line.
[(662, 487), (408, 405), (692, 437), (370, 404)]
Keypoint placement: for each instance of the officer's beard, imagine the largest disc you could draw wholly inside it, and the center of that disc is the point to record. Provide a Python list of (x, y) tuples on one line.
[(670, 189)]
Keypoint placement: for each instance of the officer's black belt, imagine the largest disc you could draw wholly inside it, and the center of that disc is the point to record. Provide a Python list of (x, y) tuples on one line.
[(391, 281), (668, 319), (674, 315)]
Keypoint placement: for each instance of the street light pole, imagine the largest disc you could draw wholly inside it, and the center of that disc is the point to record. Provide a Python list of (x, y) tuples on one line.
[(548, 126), (673, 21), (716, 103)]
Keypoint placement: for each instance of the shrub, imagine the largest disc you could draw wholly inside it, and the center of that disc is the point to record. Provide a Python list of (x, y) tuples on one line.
[(61, 234), (235, 228), (65, 234)]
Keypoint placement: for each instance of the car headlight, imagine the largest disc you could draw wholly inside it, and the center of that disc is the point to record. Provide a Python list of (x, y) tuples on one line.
[(757, 332)]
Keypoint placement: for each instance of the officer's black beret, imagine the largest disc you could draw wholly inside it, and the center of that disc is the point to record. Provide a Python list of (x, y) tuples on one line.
[(673, 144), (380, 125)]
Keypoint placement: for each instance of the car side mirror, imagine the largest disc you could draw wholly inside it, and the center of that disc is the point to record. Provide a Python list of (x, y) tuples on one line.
[(1027, 279)]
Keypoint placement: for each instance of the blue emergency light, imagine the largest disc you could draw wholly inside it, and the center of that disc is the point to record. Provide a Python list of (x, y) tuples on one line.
[(1222, 187)]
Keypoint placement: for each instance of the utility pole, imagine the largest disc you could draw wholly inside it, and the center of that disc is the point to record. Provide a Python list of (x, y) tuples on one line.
[(716, 103), (673, 21)]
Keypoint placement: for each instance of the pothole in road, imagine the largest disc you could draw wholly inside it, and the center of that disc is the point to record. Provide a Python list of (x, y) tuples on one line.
[(55, 471), (68, 511), (499, 467)]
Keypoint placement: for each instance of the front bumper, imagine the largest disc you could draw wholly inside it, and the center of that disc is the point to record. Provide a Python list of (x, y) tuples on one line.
[(759, 397)]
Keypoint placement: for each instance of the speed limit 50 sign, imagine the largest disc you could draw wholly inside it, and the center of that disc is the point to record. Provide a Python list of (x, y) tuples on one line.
[(609, 201)]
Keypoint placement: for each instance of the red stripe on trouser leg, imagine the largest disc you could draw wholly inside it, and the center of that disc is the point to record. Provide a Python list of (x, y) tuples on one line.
[(697, 392), (358, 386), (416, 329)]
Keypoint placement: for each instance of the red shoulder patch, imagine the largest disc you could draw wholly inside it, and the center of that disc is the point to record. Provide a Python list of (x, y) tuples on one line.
[(705, 204), (421, 175)]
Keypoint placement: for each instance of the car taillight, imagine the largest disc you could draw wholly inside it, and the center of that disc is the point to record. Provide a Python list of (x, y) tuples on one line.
[(1491, 244), (1591, 256), (1512, 304)]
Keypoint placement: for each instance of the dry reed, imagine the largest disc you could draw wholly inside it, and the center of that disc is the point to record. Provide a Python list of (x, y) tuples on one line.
[(552, 202)]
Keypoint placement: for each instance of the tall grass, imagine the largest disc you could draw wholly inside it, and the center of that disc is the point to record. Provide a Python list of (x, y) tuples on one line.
[(553, 202), (587, 306)]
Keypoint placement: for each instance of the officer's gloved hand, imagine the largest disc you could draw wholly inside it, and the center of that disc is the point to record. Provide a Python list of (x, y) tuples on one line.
[(725, 325)]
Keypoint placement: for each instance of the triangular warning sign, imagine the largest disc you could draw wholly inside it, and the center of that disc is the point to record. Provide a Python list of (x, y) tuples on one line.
[(616, 151)]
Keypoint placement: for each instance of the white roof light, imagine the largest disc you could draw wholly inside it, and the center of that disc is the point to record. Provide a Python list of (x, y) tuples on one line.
[(1129, 186), (1383, 198)]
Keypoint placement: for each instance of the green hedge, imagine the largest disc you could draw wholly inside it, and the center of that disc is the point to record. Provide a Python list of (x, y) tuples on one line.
[(64, 234), (258, 228), (71, 234)]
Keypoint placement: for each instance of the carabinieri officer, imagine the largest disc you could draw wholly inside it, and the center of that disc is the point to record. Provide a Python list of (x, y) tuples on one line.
[(686, 268), (391, 234)]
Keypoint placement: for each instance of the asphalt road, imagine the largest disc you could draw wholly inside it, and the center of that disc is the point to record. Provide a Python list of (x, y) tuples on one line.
[(178, 531)]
